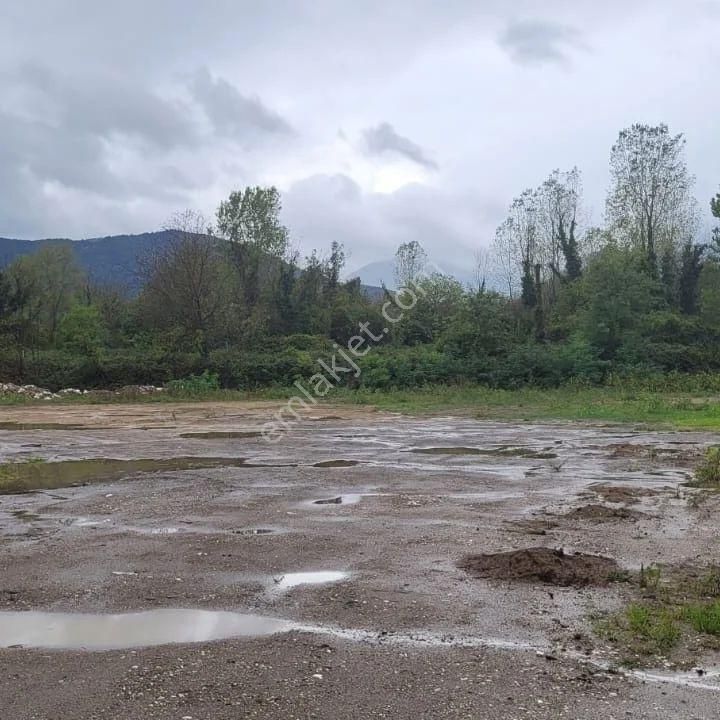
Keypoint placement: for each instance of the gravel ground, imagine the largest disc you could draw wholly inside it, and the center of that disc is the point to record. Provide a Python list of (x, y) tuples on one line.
[(405, 633)]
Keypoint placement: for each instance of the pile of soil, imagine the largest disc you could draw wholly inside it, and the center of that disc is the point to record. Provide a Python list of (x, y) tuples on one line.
[(622, 493), (653, 452), (603, 513), (545, 565)]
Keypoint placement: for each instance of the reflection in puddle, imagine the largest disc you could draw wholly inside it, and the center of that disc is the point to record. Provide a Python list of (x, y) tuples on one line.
[(25, 515), (26, 476), (114, 632), (221, 435), (348, 499), (291, 580), (336, 463), (256, 531), (502, 451), (22, 427)]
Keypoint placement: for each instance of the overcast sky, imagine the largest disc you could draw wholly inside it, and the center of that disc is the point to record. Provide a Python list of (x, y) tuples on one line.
[(380, 121)]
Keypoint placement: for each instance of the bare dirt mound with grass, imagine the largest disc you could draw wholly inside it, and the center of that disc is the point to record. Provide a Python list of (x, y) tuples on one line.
[(546, 565), (623, 493), (603, 513)]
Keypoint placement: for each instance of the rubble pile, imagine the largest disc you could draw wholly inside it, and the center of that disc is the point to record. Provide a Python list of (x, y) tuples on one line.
[(34, 392)]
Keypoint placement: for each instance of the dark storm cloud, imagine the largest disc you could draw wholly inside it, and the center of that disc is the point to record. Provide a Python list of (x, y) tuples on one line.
[(536, 42), (103, 105), (383, 139), (233, 114)]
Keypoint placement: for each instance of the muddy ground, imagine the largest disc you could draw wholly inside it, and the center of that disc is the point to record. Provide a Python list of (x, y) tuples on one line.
[(407, 632)]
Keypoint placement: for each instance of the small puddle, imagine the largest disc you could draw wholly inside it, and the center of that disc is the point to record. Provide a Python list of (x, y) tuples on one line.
[(21, 477), (69, 631), (22, 427), (25, 515), (291, 580), (348, 499), (519, 452), (256, 531), (336, 463), (221, 435)]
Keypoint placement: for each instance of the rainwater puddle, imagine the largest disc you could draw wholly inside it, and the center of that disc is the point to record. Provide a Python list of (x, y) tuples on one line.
[(256, 531), (222, 435), (25, 515), (23, 427), (349, 499), (291, 580), (504, 451), (69, 631), (23, 477)]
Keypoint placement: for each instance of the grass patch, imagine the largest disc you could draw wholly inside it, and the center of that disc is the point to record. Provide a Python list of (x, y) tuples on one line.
[(657, 626), (707, 474), (671, 614), (687, 411), (704, 618)]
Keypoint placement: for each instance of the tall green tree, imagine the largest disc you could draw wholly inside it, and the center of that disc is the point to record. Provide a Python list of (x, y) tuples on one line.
[(250, 220), (650, 204), (615, 295), (559, 199), (691, 267)]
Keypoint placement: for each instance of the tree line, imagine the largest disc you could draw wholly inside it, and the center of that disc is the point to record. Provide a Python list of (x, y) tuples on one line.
[(559, 300)]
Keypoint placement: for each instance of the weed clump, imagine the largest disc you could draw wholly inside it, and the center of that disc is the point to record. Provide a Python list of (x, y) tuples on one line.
[(707, 475)]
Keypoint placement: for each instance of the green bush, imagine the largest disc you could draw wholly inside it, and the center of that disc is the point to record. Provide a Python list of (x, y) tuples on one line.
[(194, 384)]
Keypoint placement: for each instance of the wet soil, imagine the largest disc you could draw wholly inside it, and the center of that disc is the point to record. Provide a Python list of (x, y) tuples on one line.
[(539, 564), (603, 513), (624, 493), (406, 633)]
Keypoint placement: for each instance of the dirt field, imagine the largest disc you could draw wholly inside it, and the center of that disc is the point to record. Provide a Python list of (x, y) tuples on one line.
[(389, 512)]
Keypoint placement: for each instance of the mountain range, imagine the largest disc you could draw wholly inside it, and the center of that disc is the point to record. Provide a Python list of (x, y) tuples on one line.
[(114, 260)]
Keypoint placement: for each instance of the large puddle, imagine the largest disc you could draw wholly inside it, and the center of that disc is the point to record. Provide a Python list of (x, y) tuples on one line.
[(116, 632), (40, 475), (291, 580)]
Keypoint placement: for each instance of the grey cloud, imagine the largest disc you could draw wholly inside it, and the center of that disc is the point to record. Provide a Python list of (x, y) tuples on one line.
[(232, 113), (323, 208), (384, 139), (536, 42), (105, 106)]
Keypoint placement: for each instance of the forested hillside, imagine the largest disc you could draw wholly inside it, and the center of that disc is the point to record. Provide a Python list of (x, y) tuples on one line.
[(639, 294), (108, 260)]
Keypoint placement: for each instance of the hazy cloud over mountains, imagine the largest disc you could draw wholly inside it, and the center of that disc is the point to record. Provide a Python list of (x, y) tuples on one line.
[(380, 122)]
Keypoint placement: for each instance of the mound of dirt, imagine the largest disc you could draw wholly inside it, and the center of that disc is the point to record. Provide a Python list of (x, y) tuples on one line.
[(545, 565), (603, 513), (622, 493)]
